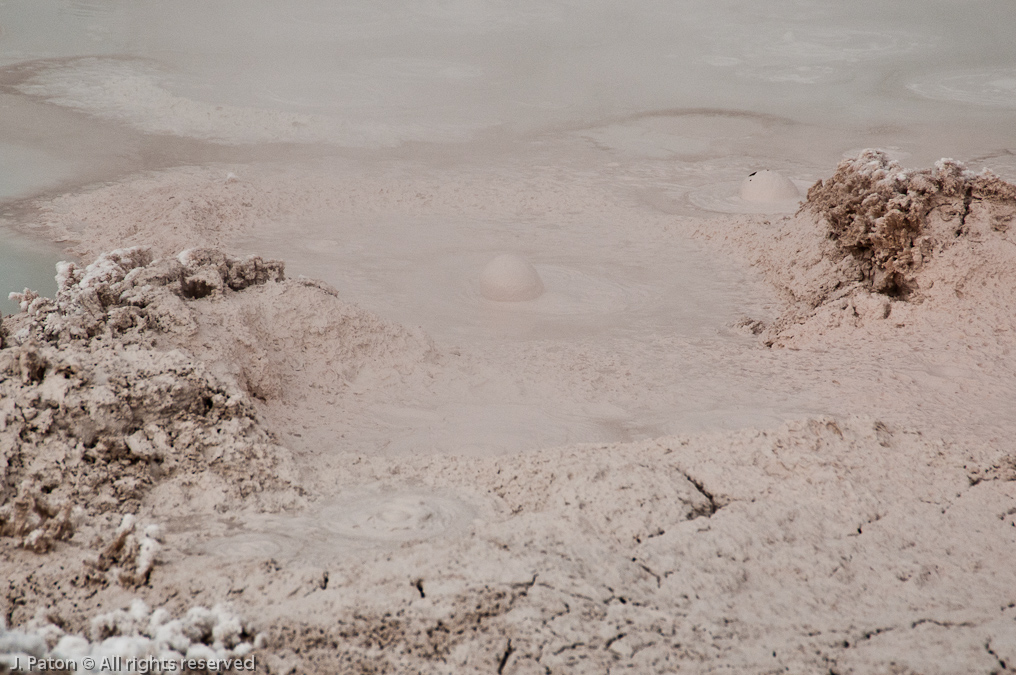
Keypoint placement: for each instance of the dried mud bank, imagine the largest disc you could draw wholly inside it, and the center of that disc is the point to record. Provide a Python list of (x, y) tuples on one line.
[(131, 399), (100, 422), (99, 404), (163, 211), (145, 403)]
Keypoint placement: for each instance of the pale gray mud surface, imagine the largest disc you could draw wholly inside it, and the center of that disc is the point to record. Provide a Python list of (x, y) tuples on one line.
[(177, 391)]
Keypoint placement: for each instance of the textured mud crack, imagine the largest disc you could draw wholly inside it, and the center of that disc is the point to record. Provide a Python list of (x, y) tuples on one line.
[(1001, 662), (712, 506), (504, 658), (366, 642)]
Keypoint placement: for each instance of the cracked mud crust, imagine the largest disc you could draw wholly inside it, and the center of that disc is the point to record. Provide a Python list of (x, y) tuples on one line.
[(803, 547), (604, 559)]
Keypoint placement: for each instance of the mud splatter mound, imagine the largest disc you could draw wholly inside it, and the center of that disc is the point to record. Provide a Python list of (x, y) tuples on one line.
[(887, 254), (150, 385), (98, 408), (882, 215), (126, 293)]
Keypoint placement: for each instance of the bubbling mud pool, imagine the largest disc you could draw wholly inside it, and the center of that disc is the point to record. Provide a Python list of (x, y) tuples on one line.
[(510, 278), (602, 271), (602, 472), (623, 295)]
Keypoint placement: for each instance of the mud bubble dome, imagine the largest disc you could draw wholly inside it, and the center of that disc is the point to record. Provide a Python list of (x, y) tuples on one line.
[(768, 186), (510, 278)]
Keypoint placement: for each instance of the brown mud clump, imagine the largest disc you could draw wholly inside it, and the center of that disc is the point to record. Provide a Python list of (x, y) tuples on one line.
[(884, 216)]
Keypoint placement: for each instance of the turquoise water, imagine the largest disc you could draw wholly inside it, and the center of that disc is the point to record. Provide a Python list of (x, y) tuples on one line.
[(26, 262)]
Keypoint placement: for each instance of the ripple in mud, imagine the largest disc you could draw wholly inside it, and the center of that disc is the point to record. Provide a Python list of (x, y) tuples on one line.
[(254, 545), (341, 527), (726, 197), (813, 55), (995, 87), (396, 517)]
